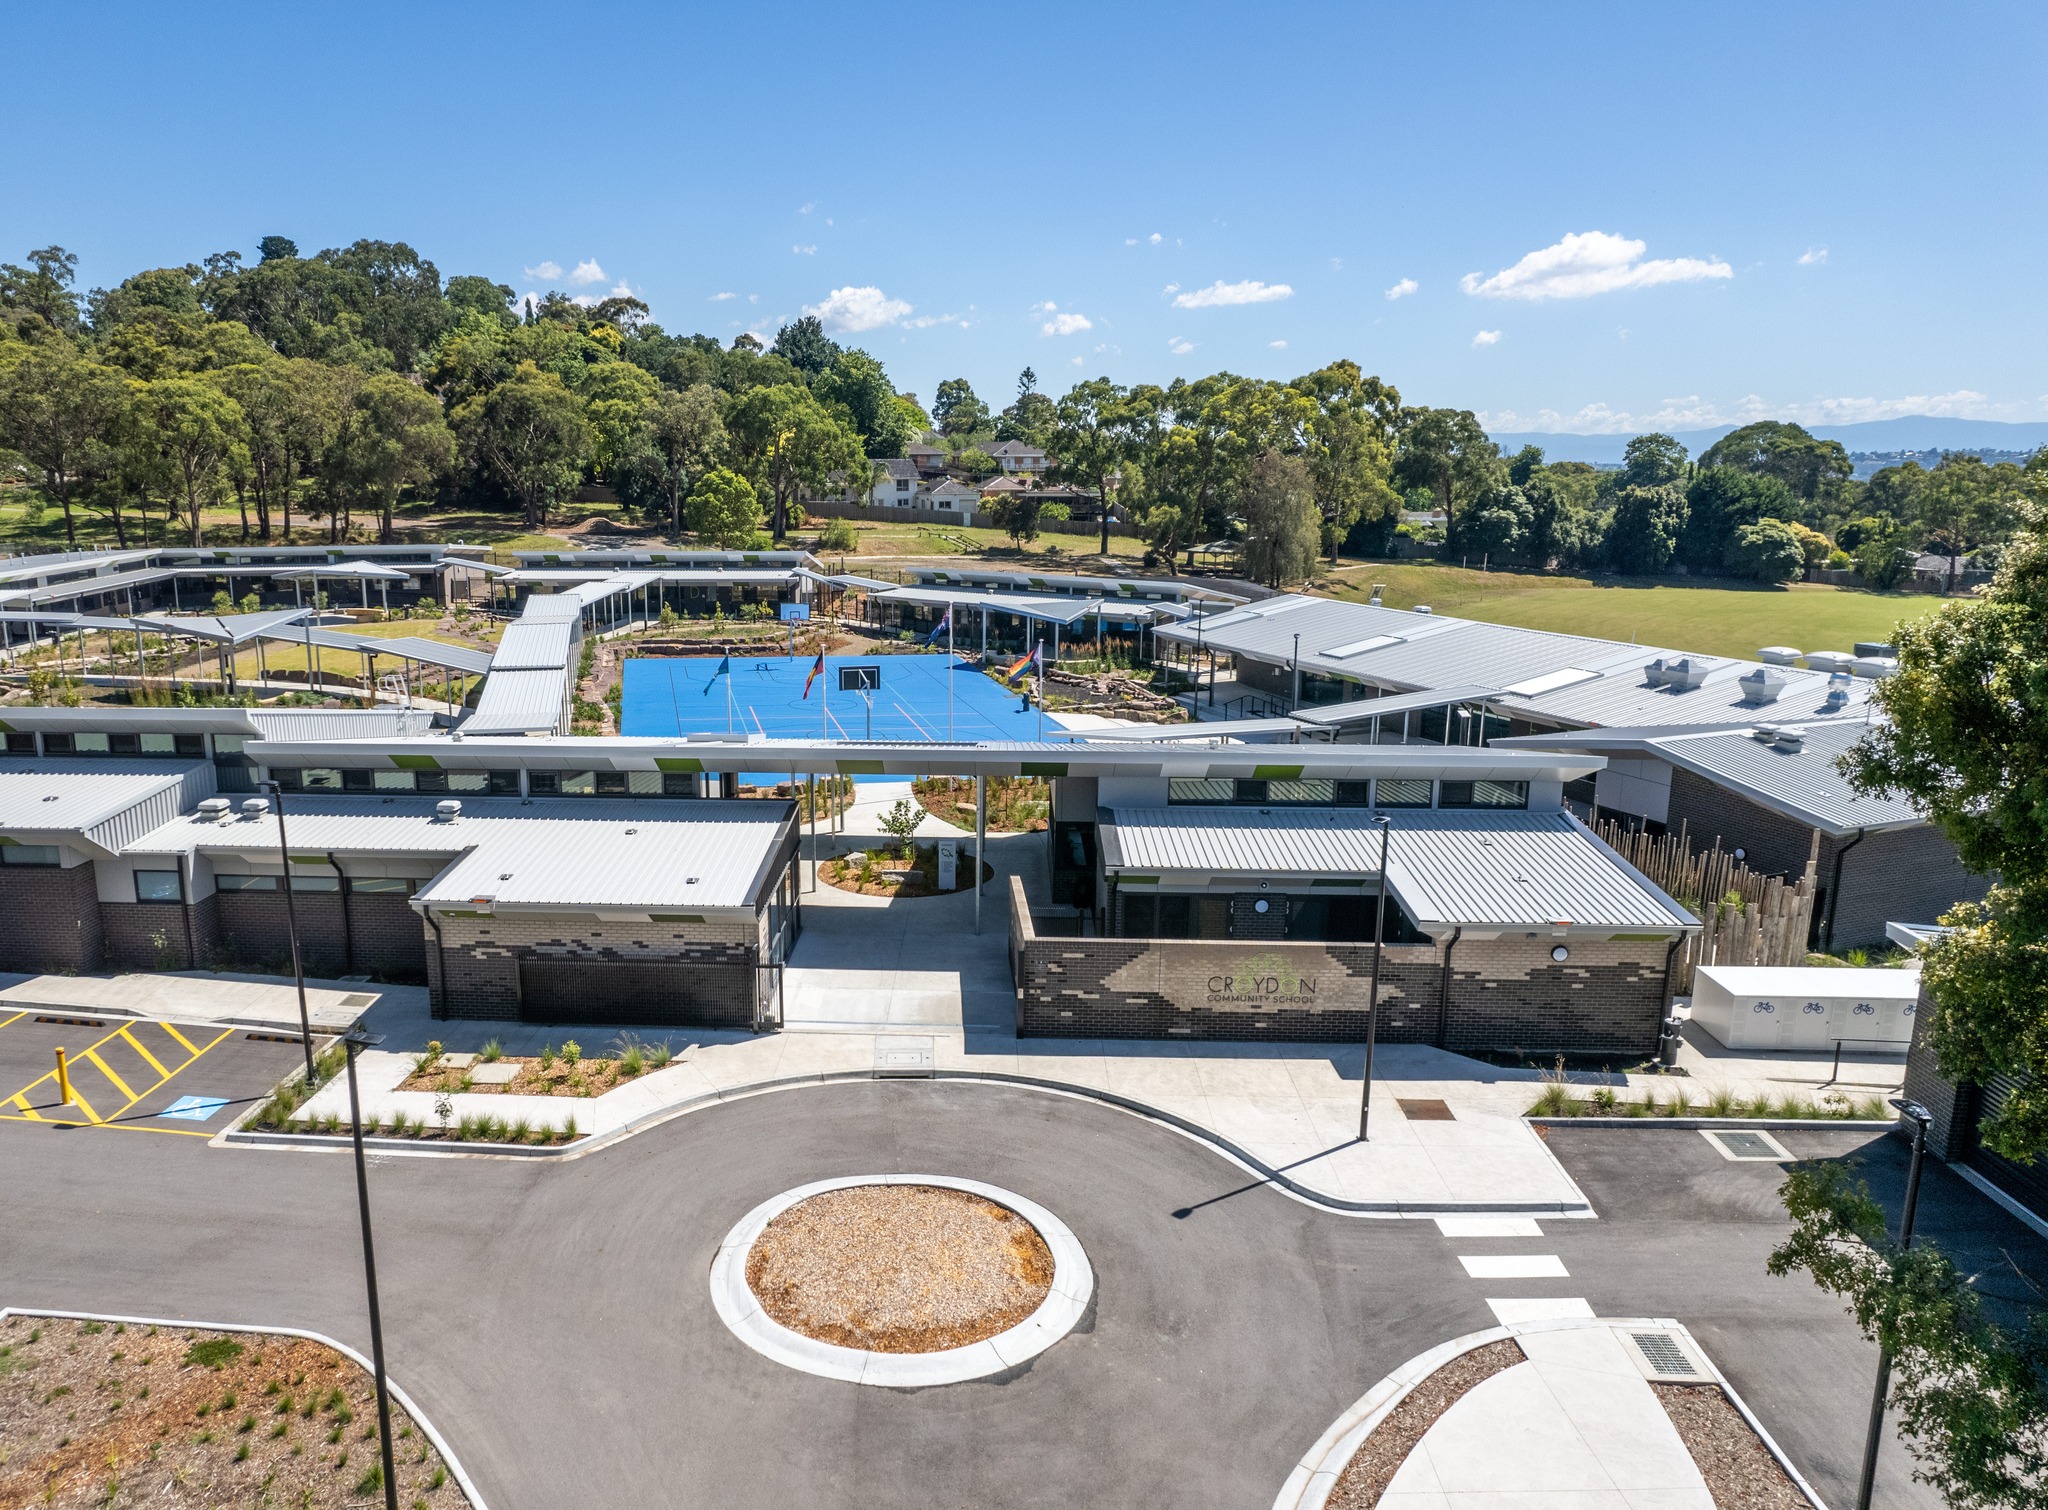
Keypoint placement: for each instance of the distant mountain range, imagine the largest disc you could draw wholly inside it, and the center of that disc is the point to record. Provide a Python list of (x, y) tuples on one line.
[(1914, 432)]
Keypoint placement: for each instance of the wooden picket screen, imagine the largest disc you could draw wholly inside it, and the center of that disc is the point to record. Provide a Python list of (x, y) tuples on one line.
[(1745, 918)]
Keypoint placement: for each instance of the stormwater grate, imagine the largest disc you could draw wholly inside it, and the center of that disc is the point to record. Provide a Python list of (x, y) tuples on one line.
[(1425, 1111), (1746, 1146), (358, 999), (1666, 1358)]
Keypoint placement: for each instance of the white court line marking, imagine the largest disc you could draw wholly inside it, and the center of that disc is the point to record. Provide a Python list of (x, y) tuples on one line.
[(1488, 1226), (1515, 1312), (1514, 1265)]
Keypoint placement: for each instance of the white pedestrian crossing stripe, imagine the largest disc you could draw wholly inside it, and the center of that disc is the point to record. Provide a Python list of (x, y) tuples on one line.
[(1488, 1226), (1514, 1265), (1513, 1312)]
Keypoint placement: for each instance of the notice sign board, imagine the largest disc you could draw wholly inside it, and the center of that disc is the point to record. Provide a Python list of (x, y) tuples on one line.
[(795, 613), (949, 864), (860, 678)]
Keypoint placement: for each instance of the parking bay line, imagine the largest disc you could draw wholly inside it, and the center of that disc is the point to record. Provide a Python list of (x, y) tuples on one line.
[(1514, 1266)]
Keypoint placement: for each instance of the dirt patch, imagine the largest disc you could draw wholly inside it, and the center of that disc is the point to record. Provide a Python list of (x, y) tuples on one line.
[(1386, 1448), (96, 1413), (899, 1268), (1016, 804), (1740, 1472), (554, 1076)]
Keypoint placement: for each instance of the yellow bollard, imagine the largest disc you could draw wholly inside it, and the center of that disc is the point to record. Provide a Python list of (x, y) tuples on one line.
[(63, 1079)]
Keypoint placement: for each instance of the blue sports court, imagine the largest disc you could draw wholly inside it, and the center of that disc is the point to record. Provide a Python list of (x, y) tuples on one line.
[(765, 696)]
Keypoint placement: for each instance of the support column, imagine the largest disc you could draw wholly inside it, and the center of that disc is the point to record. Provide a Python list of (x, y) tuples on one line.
[(980, 840)]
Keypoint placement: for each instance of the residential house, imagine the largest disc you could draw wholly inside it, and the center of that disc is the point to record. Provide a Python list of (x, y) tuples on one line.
[(1020, 458), (896, 483)]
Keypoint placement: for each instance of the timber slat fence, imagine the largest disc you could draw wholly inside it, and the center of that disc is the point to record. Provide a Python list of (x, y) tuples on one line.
[(1746, 918)]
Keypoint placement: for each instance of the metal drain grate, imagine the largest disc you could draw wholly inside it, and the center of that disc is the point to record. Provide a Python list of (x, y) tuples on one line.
[(1425, 1111), (358, 999), (1661, 1351)]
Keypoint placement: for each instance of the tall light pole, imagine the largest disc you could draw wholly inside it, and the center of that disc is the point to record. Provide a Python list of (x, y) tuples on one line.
[(1372, 1013), (1919, 1116), (291, 924), (354, 1043)]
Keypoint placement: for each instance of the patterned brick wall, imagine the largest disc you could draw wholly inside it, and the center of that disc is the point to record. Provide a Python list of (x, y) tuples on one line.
[(476, 972), (50, 918), (389, 941), (1508, 994), (1952, 1132)]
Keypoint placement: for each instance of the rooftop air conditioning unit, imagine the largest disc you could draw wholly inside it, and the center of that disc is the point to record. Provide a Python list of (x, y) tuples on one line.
[(1872, 647), (1761, 686), (1779, 655)]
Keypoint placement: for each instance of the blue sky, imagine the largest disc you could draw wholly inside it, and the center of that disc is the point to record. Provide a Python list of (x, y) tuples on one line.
[(1609, 217)]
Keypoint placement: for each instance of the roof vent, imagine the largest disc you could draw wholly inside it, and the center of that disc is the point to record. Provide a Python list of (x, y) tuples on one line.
[(1764, 733), (216, 810), (1683, 672), (255, 807), (1424, 608), (1790, 738), (447, 810), (1761, 686), (1779, 655), (1827, 660), (1874, 665), (1838, 691)]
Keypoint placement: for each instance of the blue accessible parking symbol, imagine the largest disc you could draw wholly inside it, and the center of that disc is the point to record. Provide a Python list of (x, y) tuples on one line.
[(193, 1108)]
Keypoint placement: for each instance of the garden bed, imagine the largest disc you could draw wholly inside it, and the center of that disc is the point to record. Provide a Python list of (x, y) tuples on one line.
[(566, 1071), (899, 1268), (1016, 804), (884, 873), (98, 1413), (1740, 1472), (1386, 1447), (1606, 1101)]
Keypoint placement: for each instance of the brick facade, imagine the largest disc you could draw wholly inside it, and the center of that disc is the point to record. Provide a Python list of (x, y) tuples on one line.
[(161, 935), (1503, 994), (380, 935), (1952, 1132), (485, 967), (1907, 875), (51, 918)]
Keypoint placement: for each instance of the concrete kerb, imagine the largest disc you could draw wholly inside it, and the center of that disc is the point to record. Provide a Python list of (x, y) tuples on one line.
[(1282, 1183), (1315, 1477), (1073, 1286), (404, 1400), (1728, 1124)]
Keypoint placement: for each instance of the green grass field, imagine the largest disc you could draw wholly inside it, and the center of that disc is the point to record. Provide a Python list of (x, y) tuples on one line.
[(1715, 620)]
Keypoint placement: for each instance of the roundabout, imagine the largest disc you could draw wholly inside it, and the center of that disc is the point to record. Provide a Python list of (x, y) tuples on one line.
[(904, 1280)]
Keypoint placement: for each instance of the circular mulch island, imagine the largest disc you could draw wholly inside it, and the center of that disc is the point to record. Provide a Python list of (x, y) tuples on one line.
[(899, 1268), (901, 1280)]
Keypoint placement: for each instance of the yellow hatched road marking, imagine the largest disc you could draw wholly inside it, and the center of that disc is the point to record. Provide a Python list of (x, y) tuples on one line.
[(106, 1069), (184, 1040), (136, 1044), (174, 1074), (51, 1075), (17, 1017)]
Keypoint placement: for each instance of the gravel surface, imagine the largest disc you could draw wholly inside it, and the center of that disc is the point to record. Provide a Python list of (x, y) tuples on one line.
[(1386, 1448), (95, 1414), (899, 1268), (1740, 1472)]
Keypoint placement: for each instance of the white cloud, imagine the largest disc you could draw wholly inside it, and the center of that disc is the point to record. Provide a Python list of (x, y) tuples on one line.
[(1077, 361), (806, 209), (1068, 324), (1179, 347), (1045, 308), (1251, 291), (753, 298), (543, 271), (1486, 338), (1403, 289), (1277, 345), (1171, 288), (1155, 238), (1813, 256), (1585, 263), (857, 309), (1336, 264), (721, 298), (925, 322), (805, 251), (586, 272), (1693, 412)]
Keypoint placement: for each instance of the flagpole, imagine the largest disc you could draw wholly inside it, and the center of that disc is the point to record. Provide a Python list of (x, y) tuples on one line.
[(951, 665), (1041, 692)]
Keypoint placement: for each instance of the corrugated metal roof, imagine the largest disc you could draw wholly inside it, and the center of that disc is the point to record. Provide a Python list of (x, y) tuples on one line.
[(520, 702), (1050, 610), (534, 645), (406, 647), (339, 723), (1336, 715), (1429, 651), (564, 853), (1449, 869), (1802, 782), (552, 607), (105, 803)]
